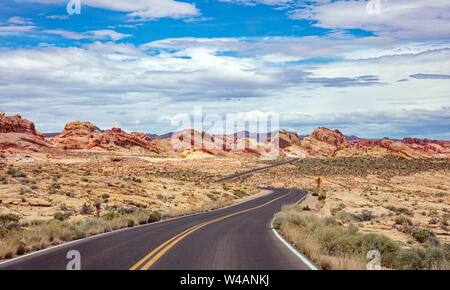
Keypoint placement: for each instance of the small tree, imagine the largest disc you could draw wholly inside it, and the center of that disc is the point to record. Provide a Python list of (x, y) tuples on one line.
[(98, 206)]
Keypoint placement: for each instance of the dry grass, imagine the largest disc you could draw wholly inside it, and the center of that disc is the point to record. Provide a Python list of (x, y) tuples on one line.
[(332, 246), (22, 240)]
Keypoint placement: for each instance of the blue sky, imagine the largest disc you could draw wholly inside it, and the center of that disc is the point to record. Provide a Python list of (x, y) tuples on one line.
[(368, 70)]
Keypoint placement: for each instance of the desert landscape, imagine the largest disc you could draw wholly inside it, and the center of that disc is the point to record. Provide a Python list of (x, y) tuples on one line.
[(85, 181)]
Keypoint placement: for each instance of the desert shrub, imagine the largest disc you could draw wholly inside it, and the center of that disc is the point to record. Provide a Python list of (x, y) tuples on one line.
[(86, 209), (431, 258), (95, 226), (130, 223), (111, 215), (400, 210), (411, 259), (140, 217), (3, 232), (239, 193), (105, 196), (336, 242), (352, 229), (364, 216), (387, 247), (154, 216), (138, 180), (337, 209), (434, 221), (118, 223), (20, 174), (421, 235), (346, 216), (401, 220), (322, 196), (59, 216), (436, 259), (12, 170), (7, 218)]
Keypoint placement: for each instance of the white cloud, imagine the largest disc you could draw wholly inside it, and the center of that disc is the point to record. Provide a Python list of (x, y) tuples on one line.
[(15, 29), (105, 34), (403, 19), (142, 9), (54, 85), (20, 20), (57, 17)]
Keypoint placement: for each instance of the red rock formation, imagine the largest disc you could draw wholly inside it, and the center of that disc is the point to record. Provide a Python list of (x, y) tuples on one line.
[(286, 139), (407, 147), (334, 138), (19, 135), (324, 142), (15, 124), (142, 136), (84, 135), (427, 146), (124, 140), (357, 144)]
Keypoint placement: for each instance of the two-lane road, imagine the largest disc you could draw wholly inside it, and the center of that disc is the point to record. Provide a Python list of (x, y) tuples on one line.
[(238, 237)]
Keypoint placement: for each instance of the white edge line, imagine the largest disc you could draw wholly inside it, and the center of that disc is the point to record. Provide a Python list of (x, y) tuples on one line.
[(293, 250), (302, 199), (119, 230), (290, 247)]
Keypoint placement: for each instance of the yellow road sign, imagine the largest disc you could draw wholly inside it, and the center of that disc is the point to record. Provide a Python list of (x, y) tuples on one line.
[(318, 181)]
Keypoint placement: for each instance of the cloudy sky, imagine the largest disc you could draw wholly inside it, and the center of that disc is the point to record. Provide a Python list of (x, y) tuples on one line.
[(369, 68)]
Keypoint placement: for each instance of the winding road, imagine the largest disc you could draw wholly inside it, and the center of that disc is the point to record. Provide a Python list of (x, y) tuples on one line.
[(237, 237)]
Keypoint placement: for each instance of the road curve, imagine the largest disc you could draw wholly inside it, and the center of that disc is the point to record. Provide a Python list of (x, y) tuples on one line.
[(233, 238), (255, 170)]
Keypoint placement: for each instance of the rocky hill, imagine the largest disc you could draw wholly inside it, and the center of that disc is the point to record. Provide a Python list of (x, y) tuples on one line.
[(19, 135), (85, 136), (324, 142)]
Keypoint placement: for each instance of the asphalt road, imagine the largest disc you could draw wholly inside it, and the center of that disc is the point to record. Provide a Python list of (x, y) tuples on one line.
[(255, 170), (233, 238)]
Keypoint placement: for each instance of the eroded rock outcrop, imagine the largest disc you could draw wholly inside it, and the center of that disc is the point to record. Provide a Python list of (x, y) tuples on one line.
[(324, 142), (407, 147), (19, 135), (84, 136)]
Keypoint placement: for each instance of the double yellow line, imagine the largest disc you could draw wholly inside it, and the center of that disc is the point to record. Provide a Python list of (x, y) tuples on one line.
[(154, 255)]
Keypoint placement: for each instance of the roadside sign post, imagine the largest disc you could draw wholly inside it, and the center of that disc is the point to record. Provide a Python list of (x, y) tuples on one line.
[(318, 181)]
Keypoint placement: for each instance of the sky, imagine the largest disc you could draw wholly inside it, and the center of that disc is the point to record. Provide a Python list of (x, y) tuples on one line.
[(374, 68)]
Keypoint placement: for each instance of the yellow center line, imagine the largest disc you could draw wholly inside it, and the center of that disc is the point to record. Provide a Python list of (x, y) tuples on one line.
[(158, 248), (174, 240)]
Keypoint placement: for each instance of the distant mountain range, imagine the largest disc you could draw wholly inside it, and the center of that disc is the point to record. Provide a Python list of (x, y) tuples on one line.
[(19, 135), (240, 134)]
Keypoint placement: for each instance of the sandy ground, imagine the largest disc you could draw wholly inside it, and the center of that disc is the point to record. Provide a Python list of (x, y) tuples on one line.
[(50, 183), (64, 183), (423, 198)]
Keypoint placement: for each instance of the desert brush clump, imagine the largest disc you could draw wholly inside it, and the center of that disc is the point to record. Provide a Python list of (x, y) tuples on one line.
[(331, 245), (386, 167), (42, 234)]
